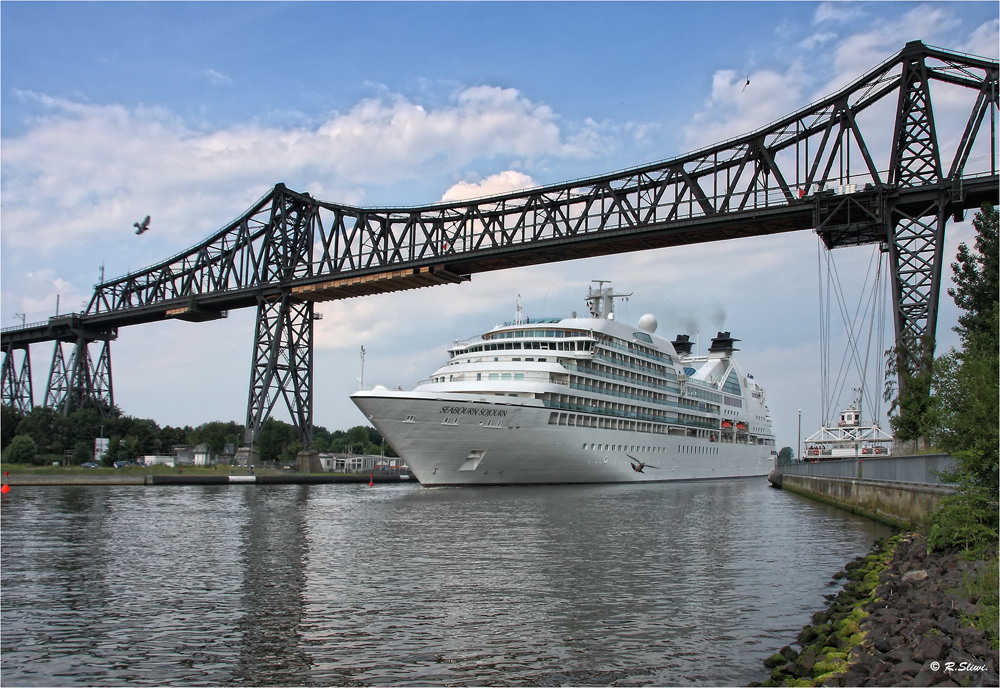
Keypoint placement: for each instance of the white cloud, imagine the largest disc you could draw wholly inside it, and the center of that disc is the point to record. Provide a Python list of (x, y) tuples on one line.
[(217, 78), (736, 108), (985, 40), (501, 182), (816, 39), (85, 171), (837, 12)]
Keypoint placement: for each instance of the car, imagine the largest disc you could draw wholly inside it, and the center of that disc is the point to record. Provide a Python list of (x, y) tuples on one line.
[(123, 464), (89, 464)]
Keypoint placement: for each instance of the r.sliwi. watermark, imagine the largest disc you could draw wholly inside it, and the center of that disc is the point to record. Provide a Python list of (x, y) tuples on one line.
[(956, 666)]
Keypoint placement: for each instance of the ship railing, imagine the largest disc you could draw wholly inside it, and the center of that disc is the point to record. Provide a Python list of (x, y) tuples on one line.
[(620, 378), (645, 369)]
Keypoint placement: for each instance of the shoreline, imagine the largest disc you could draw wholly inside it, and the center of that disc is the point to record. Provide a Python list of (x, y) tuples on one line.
[(903, 618), (202, 479)]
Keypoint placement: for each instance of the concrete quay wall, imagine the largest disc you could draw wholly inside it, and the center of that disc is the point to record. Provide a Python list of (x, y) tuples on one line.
[(905, 505)]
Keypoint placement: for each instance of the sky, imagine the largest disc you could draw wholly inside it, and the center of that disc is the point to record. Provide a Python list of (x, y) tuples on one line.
[(189, 112)]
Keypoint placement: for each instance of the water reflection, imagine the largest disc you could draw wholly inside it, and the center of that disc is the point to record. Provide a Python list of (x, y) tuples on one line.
[(272, 574), (674, 584)]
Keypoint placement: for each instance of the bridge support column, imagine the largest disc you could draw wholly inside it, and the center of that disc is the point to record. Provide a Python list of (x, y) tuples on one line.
[(916, 226), (282, 364), (81, 384), (16, 389)]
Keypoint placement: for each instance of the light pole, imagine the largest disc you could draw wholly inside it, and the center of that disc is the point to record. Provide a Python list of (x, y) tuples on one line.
[(798, 446)]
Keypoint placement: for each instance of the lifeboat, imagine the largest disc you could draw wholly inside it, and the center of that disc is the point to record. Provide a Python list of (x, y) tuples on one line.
[(727, 425), (741, 425)]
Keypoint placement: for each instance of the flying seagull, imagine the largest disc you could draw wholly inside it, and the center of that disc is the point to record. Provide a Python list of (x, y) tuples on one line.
[(141, 227), (746, 84), (638, 465)]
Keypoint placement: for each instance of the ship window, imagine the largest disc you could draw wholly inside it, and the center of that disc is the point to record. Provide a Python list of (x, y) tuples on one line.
[(479, 376), (550, 333), (518, 376), (542, 360), (505, 376), (529, 359), (494, 376)]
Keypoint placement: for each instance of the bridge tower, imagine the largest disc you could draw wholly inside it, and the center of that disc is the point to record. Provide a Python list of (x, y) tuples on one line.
[(283, 336), (16, 389), (915, 233)]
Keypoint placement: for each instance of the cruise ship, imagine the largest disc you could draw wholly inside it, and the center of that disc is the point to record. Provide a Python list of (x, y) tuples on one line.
[(579, 400)]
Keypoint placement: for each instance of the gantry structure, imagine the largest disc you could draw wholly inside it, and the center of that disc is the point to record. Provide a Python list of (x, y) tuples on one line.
[(871, 163)]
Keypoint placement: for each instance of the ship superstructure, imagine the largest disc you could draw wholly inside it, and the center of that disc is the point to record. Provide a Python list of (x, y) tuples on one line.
[(578, 400)]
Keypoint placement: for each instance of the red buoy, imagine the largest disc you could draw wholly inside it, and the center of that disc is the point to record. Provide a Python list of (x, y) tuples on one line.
[(371, 480), (5, 489)]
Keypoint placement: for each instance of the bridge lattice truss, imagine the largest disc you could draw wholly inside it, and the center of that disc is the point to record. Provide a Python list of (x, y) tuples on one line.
[(868, 164)]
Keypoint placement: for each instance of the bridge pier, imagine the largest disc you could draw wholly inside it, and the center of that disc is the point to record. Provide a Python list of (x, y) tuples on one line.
[(17, 390), (80, 383)]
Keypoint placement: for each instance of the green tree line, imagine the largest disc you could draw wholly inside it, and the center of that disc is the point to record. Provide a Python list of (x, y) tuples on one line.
[(43, 436)]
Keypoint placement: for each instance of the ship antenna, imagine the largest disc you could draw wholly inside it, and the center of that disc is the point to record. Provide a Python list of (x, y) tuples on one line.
[(518, 317), (361, 380)]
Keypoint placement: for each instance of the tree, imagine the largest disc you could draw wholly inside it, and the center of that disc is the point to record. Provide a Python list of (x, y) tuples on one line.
[(785, 456), (962, 418), (977, 282), (22, 449), (83, 452), (274, 437), (9, 419)]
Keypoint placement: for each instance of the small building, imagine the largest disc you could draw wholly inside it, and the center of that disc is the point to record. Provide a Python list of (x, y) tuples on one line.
[(202, 457), (157, 460), (358, 463), (184, 455)]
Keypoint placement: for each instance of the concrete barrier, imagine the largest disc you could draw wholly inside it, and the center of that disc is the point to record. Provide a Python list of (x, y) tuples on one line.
[(905, 505), (98, 479)]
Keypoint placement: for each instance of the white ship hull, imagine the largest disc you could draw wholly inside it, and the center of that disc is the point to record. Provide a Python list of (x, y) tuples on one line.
[(459, 439)]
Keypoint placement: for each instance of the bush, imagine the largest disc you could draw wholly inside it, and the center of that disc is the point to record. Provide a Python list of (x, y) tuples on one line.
[(961, 520), (22, 449)]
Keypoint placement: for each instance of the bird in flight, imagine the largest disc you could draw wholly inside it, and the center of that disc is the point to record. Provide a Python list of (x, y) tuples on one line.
[(141, 227), (638, 465), (746, 84)]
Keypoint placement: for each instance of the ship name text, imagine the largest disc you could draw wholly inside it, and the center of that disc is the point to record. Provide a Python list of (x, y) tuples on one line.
[(472, 411)]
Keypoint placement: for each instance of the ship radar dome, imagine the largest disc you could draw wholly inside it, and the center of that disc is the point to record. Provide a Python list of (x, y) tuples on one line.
[(648, 323)]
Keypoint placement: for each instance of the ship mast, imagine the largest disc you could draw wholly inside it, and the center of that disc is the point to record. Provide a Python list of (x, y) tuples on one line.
[(601, 302)]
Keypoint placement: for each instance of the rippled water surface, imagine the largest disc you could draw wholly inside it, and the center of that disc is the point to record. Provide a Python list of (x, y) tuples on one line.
[(667, 584)]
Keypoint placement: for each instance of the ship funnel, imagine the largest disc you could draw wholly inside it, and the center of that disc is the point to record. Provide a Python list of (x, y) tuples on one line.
[(723, 343), (682, 345)]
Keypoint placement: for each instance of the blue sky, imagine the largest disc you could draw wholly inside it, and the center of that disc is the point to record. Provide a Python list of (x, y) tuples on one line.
[(191, 111)]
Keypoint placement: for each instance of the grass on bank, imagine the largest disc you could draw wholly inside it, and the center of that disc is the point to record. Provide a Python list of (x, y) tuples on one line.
[(159, 469)]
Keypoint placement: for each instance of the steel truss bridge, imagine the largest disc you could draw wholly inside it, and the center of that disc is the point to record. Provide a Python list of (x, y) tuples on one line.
[(868, 164)]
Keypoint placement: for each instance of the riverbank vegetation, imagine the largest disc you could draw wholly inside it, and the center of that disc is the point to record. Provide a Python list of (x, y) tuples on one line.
[(43, 437)]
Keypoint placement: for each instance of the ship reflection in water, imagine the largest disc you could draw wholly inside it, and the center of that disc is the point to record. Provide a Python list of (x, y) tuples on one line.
[(663, 584)]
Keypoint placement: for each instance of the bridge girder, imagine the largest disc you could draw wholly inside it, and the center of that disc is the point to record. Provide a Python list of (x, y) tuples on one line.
[(830, 167)]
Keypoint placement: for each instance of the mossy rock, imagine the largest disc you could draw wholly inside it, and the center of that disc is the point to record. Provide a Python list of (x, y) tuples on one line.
[(835, 656), (858, 613), (789, 653), (800, 683), (821, 669), (848, 627), (857, 638), (777, 659)]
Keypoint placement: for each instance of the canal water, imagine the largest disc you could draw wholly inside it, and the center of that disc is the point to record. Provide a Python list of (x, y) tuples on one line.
[(658, 584)]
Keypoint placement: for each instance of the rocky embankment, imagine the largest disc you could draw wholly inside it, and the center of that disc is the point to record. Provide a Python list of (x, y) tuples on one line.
[(902, 619)]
